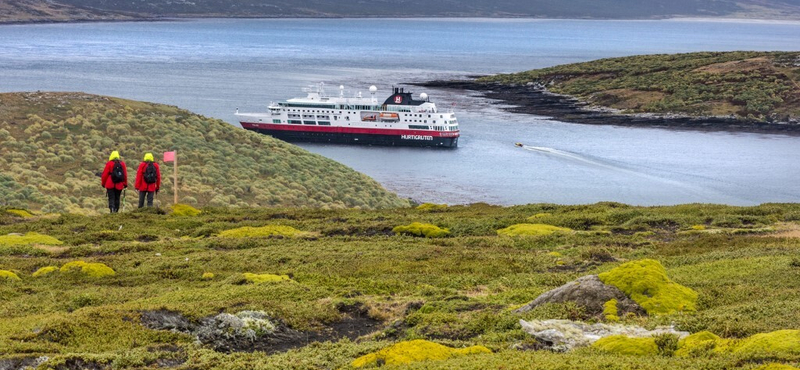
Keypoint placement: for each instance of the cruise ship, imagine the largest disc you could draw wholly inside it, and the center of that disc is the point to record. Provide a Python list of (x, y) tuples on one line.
[(400, 120)]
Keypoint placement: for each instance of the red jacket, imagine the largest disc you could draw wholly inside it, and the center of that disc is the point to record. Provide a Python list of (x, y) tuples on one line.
[(106, 177), (141, 185)]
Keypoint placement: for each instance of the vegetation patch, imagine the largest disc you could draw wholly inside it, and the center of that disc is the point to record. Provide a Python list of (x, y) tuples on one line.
[(264, 278), (8, 275), (610, 311), (184, 210), (414, 351), (420, 229), (532, 230), (30, 238), (622, 345), (646, 282), (44, 271), (431, 207), (264, 231), (93, 269), (19, 213)]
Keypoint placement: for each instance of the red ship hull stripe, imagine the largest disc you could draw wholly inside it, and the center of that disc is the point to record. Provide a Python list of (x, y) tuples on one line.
[(346, 130)]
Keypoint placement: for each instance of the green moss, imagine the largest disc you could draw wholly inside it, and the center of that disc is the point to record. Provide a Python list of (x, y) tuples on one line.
[(531, 230), (207, 276), (539, 216), (44, 271), (414, 351), (431, 207), (777, 344), (8, 275), (698, 227), (264, 278), (28, 239), (185, 210), (420, 229), (94, 269), (698, 343), (20, 213), (646, 282), (610, 311), (622, 345), (263, 231)]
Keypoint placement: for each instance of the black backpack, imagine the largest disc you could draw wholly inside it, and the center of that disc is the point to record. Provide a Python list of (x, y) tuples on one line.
[(150, 175), (117, 173)]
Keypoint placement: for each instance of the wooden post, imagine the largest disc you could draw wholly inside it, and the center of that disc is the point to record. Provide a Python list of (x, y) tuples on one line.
[(175, 173)]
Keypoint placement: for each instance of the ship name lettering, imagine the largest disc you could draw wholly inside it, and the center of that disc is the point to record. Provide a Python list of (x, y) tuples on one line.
[(416, 137)]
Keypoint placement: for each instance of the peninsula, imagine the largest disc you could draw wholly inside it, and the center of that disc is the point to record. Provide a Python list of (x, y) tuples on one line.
[(747, 91)]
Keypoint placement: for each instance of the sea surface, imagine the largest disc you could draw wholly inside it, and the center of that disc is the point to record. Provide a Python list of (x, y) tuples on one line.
[(213, 66)]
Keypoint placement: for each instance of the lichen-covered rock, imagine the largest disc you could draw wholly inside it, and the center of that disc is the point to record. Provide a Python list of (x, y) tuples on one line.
[(264, 231), (420, 229), (44, 271), (588, 292), (532, 230), (166, 320), (264, 278), (94, 269), (30, 238), (22, 363), (564, 335), (414, 351), (244, 331), (646, 282), (6, 275)]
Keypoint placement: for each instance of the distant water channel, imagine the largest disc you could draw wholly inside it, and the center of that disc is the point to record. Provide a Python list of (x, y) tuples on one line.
[(214, 66)]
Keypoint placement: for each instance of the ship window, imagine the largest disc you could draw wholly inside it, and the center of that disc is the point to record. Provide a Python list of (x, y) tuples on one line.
[(324, 123), (426, 121), (309, 123), (276, 121), (440, 116), (294, 122)]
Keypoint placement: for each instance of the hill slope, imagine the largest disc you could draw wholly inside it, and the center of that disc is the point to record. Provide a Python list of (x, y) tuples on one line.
[(755, 85), (612, 9), (53, 144)]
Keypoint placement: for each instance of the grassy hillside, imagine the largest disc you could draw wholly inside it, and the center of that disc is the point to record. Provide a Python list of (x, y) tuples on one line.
[(343, 271), (755, 85), (25, 11), (52, 145), (613, 9)]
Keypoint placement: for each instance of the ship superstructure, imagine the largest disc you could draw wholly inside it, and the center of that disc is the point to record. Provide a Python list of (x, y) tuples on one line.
[(400, 120)]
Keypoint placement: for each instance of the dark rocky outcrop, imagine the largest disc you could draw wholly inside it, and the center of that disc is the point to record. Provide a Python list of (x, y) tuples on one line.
[(536, 100), (587, 292)]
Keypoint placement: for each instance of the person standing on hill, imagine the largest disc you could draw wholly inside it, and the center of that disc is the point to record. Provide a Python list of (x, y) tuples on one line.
[(114, 179), (148, 180)]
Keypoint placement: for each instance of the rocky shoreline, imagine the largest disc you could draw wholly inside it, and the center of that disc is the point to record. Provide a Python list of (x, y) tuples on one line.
[(536, 100)]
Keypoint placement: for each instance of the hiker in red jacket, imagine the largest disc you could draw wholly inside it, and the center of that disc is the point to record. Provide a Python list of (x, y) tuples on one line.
[(114, 179), (148, 180)]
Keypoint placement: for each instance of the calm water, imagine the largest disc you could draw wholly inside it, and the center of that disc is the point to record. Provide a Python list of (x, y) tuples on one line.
[(214, 66)]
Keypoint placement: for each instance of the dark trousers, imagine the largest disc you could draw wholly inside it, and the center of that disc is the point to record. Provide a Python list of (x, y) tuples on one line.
[(114, 196), (149, 195)]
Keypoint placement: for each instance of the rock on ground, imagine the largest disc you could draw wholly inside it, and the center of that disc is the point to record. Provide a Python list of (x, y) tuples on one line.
[(564, 335), (588, 292)]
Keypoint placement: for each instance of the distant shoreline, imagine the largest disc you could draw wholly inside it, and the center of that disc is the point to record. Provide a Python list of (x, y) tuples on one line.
[(420, 17), (537, 101)]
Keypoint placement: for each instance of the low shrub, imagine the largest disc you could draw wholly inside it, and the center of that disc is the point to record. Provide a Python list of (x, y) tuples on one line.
[(414, 351), (531, 230), (8, 275), (28, 239), (268, 230), (264, 278), (420, 229), (94, 269), (646, 282), (44, 271), (622, 345), (184, 210), (431, 207)]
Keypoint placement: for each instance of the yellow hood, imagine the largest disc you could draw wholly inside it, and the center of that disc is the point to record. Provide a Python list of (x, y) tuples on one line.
[(148, 157), (114, 155)]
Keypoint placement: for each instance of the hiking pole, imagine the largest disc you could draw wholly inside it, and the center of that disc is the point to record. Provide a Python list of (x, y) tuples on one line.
[(124, 190)]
